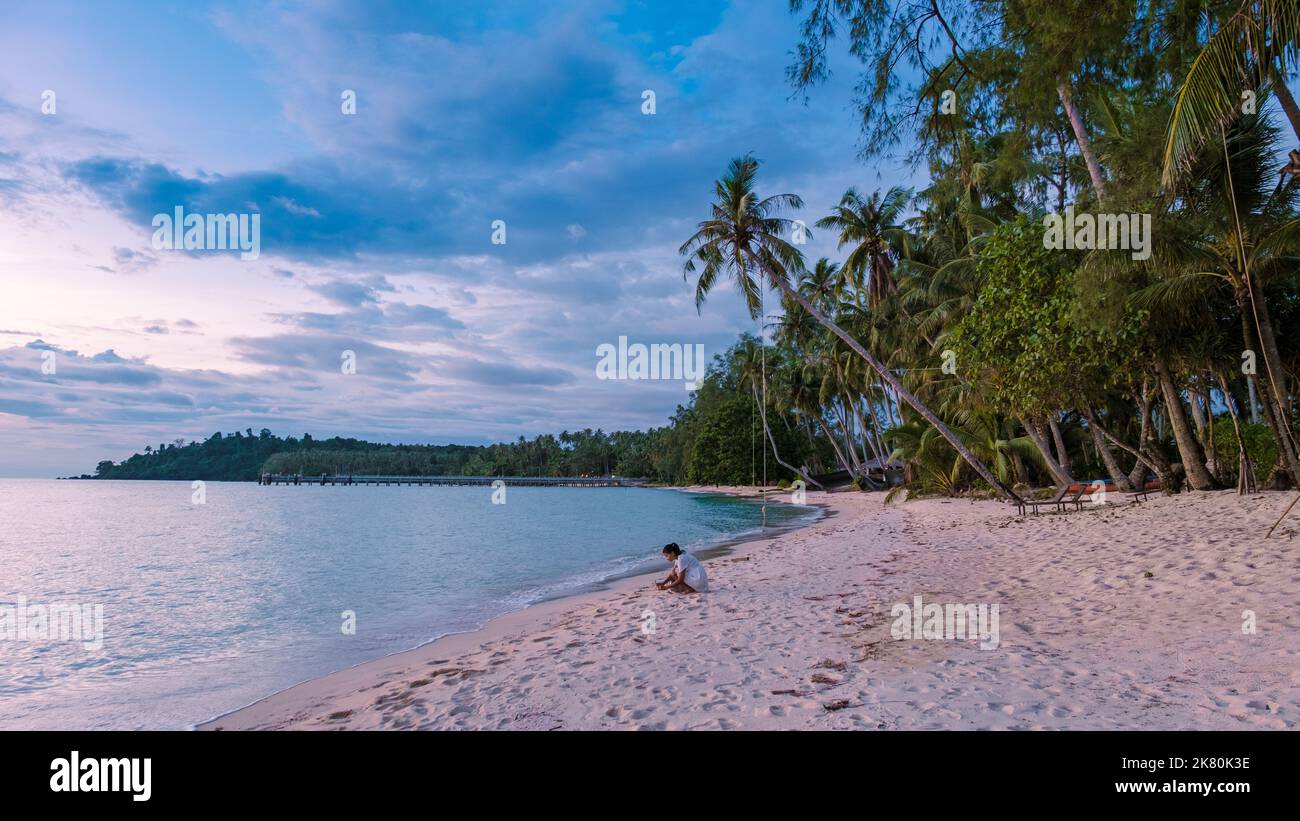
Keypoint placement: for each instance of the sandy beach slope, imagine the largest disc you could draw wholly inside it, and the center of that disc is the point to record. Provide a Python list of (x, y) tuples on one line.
[(1122, 617)]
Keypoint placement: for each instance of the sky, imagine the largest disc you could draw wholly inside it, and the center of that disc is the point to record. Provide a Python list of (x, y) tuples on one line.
[(376, 227)]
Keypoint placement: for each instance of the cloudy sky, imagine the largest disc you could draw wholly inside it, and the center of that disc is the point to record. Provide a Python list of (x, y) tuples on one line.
[(376, 227)]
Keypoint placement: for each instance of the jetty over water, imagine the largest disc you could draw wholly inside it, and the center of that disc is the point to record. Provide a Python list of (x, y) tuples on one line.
[(488, 481)]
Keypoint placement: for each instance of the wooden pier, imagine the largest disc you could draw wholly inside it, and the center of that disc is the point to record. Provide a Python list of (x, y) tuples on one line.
[(487, 481)]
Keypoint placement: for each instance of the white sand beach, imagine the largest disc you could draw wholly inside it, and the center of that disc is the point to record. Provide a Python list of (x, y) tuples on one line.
[(1127, 617)]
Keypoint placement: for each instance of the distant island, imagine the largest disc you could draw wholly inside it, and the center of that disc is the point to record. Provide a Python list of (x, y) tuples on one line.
[(244, 455), (718, 439)]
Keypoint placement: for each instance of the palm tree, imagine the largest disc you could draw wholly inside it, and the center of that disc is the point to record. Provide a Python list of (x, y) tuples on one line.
[(743, 238), (1245, 236), (929, 461), (824, 283), (992, 436), (870, 225), (807, 386), (1240, 56)]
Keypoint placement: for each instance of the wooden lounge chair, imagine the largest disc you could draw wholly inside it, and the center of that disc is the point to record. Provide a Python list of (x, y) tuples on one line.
[(1139, 496), (1056, 501), (1077, 494), (1091, 488), (1025, 504)]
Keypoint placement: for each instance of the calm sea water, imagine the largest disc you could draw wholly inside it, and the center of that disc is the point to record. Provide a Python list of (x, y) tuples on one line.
[(208, 607)]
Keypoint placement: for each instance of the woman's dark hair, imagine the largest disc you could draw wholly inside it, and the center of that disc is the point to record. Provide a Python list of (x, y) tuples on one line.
[(673, 549)]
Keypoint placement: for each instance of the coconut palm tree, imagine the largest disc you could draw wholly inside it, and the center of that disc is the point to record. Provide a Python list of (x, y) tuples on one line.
[(1239, 230), (823, 284), (807, 396), (870, 225), (1244, 54), (744, 238)]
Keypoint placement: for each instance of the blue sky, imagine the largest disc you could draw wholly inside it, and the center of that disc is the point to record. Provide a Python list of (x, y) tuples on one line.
[(376, 227)]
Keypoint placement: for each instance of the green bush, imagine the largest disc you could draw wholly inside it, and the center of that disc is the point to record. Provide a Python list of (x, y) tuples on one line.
[(1260, 446)]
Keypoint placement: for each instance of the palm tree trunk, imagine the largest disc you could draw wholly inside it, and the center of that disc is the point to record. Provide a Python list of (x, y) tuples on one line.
[(1198, 417), (1108, 458), (839, 454), (1188, 449), (1211, 454), (840, 414), (775, 455), (876, 432), (1147, 458), (1285, 99), (1081, 138), (1253, 396), (1277, 381), (859, 430), (1137, 476), (1062, 455), (1059, 474), (895, 410), (1243, 459), (802, 422), (864, 435), (1285, 453), (1273, 394), (903, 393)]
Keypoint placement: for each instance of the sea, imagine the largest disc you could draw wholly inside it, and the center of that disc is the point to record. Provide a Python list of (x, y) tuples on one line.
[(165, 605)]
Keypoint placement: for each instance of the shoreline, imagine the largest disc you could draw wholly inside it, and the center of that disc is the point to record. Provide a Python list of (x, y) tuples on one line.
[(1124, 617), (548, 605)]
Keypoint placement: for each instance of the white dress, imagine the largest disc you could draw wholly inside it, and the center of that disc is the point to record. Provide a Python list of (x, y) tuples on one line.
[(692, 572)]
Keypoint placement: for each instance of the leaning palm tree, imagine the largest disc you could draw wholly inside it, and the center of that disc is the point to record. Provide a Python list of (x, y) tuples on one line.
[(869, 224), (743, 238)]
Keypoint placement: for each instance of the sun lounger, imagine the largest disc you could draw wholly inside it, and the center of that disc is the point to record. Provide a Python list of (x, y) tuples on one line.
[(1077, 494), (1056, 501), (1139, 496), (1081, 491), (1025, 504)]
